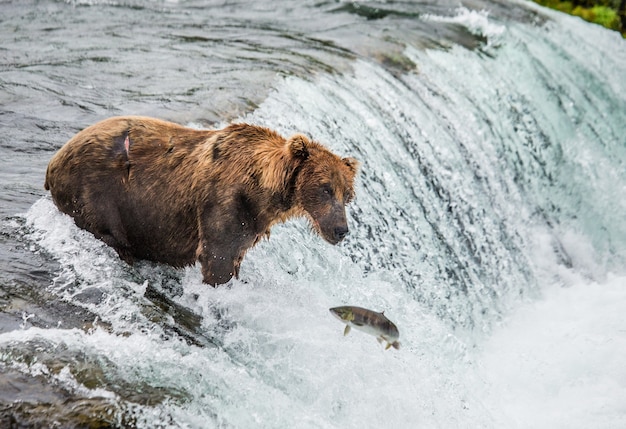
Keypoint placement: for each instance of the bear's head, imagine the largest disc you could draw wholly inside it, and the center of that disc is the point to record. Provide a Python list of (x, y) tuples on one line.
[(324, 186)]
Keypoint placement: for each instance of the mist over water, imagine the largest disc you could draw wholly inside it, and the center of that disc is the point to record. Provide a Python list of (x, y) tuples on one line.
[(488, 223)]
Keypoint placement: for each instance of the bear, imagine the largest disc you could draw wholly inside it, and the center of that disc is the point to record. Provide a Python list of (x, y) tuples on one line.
[(158, 191)]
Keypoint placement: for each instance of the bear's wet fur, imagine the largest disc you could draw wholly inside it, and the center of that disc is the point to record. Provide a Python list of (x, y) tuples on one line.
[(159, 191)]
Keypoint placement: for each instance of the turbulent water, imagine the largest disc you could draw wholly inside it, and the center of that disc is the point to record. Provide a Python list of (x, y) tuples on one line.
[(488, 223)]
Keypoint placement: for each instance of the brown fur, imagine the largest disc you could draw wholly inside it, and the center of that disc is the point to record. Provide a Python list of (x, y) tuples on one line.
[(159, 191)]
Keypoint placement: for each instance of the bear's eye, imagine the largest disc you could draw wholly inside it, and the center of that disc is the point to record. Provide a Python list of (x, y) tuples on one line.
[(326, 190)]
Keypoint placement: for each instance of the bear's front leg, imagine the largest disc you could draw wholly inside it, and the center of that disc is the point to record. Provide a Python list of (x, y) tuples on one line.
[(228, 228), (224, 240)]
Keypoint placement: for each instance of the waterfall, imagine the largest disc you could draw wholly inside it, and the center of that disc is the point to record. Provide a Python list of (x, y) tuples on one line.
[(488, 225)]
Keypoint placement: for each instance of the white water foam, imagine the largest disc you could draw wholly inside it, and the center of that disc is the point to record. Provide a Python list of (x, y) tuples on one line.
[(283, 343), (558, 362), (477, 22), (553, 363)]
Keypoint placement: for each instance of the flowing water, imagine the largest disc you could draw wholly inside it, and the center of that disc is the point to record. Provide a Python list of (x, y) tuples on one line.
[(488, 224)]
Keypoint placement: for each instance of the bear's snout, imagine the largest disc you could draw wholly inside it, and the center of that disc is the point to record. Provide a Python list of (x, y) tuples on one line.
[(328, 218), (333, 228), (340, 232)]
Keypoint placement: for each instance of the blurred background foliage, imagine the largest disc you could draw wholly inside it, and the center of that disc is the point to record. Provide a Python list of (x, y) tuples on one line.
[(609, 13)]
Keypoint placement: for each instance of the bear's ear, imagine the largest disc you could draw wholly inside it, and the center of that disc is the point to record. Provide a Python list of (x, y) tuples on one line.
[(298, 145), (352, 164)]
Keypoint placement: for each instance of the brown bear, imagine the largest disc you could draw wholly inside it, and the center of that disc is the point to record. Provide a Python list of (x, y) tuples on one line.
[(159, 191)]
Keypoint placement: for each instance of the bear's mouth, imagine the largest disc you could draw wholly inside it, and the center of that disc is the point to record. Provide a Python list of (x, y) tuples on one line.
[(315, 226)]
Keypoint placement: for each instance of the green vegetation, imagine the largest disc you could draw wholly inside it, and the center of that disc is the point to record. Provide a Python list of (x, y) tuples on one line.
[(608, 13)]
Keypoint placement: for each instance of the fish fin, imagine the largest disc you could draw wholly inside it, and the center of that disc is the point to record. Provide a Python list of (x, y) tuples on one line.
[(379, 339), (395, 344), (347, 330)]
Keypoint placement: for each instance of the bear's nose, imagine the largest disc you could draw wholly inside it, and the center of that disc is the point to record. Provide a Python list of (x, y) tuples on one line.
[(340, 232)]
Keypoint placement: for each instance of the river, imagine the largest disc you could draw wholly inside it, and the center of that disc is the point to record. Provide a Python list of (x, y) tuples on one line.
[(488, 222)]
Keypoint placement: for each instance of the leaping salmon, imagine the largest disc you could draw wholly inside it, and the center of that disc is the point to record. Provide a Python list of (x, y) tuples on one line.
[(370, 322)]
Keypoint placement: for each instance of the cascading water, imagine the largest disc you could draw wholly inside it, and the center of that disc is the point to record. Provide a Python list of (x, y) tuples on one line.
[(488, 225)]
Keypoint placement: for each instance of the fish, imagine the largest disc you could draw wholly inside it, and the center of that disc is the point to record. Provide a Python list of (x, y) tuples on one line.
[(370, 322)]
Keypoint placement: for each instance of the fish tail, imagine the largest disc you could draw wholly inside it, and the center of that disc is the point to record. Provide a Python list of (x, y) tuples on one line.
[(395, 345)]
